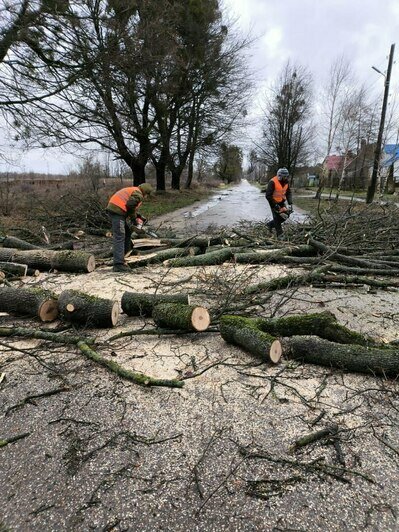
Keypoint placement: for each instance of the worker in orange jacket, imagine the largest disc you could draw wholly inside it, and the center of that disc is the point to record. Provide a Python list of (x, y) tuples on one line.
[(279, 196), (122, 208)]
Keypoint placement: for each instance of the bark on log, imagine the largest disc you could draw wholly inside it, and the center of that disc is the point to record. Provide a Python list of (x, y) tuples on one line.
[(207, 259), (29, 302), (12, 268), (183, 317), (202, 241), (322, 324), (139, 304), (17, 243), (83, 309), (363, 271), (45, 259), (245, 333), (160, 256), (356, 358)]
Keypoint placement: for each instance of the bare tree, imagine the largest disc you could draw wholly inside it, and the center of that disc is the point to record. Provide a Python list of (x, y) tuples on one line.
[(287, 127)]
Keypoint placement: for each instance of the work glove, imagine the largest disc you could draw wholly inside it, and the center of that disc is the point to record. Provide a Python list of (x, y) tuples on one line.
[(141, 219)]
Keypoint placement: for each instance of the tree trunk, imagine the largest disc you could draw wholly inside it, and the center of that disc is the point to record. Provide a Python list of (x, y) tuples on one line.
[(245, 333), (29, 302), (182, 317), (80, 308), (138, 170), (160, 256), (207, 259), (175, 179), (190, 173), (137, 304), (313, 350), (45, 259), (160, 169)]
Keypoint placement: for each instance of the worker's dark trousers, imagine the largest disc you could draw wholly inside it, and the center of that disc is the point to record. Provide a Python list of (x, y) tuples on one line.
[(276, 223), (122, 238)]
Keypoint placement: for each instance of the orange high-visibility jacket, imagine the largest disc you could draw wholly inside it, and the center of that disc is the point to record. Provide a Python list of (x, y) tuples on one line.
[(280, 190), (121, 197)]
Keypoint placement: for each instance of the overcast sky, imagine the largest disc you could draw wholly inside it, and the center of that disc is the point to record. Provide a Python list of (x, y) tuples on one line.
[(311, 33)]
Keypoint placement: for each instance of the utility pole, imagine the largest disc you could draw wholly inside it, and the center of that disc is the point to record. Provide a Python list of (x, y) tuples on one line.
[(377, 152)]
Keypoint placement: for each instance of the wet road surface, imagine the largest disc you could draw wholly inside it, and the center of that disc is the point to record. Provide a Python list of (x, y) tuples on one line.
[(228, 208)]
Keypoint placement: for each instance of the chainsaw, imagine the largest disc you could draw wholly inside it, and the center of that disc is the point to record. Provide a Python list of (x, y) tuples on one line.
[(139, 229)]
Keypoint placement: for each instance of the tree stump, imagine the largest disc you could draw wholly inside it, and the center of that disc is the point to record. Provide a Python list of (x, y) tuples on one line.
[(138, 304), (245, 333), (29, 302), (83, 309), (181, 317)]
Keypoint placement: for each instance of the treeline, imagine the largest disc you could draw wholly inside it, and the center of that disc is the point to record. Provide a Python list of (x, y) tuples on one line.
[(157, 81)]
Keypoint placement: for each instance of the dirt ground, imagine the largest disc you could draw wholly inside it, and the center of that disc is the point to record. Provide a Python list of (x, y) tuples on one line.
[(104, 454)]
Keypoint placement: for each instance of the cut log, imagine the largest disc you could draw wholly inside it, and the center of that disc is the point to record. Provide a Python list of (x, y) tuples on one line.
[(322, 324), (356, 358), (181, 317), (202, 241), (142, 243), (138, 304), (12, 268), (17, 243), (83, 309), (207, 259), (245, 333), (29, 302), (160, 256), (45, 259)]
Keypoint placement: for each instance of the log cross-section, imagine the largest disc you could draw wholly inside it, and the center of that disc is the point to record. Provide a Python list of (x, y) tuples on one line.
[(181, 317), (245, 333), (83, 309), (29, 302)]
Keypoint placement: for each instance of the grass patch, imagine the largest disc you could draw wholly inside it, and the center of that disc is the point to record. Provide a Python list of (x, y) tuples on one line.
[(170, 200)]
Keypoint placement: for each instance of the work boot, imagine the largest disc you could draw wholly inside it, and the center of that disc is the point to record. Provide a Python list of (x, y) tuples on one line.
[(121, 268)]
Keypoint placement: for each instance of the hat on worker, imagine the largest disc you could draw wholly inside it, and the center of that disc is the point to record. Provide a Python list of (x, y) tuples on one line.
[(283, 172), (146, 188)]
